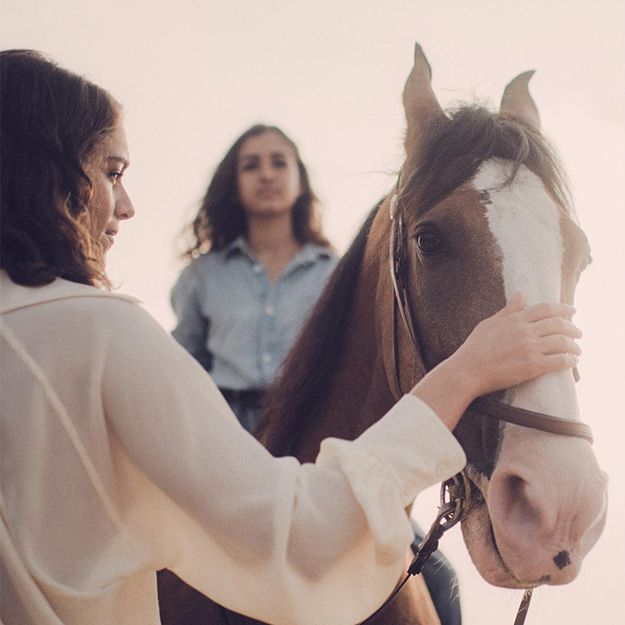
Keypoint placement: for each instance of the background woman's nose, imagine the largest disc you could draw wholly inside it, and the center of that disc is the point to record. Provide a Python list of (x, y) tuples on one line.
[(266, 170)]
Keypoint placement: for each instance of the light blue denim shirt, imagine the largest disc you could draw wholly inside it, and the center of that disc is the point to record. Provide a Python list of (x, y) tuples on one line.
[(236, 323)]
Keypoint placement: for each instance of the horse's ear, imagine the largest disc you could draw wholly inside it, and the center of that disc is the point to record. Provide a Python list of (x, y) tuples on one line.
[(420, 103), (517, 100)]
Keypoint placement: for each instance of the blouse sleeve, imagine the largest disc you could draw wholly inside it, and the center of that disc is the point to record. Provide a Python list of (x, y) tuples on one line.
[(268, 537), (192, 326)]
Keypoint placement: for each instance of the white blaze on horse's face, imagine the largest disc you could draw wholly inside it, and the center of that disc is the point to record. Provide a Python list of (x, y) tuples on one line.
[(546, 495), (525, 222)]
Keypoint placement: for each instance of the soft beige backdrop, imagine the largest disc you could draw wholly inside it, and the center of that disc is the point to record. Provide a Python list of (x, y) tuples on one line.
[(192, 74)]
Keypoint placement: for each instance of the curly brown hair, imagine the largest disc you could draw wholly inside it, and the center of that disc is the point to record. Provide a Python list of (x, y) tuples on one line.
[(221, 218), (51, 121)]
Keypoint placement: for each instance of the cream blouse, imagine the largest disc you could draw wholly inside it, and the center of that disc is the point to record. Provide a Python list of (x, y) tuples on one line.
[(120, 457)]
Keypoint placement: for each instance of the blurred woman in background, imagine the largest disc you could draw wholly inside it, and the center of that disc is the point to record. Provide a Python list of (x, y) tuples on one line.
[(258, 262)]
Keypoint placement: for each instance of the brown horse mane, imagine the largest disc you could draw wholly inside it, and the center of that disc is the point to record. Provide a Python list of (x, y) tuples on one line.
[(306, 373), (450, 153)]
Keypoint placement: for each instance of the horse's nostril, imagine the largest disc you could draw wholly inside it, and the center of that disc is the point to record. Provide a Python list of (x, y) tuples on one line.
[(520, 503), (562, 560)]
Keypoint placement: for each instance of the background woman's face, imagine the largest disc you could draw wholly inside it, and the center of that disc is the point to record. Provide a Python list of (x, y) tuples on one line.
[(267, 175), (110, 203)]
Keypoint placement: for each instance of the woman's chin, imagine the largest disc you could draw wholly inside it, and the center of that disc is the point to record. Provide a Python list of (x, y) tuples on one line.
[(107, 241)]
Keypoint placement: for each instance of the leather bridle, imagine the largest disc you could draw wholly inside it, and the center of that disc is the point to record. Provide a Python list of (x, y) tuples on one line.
[(455, 492)]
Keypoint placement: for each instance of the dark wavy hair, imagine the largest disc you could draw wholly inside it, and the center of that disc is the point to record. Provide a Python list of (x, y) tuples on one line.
[(50, 121), (221, 218)]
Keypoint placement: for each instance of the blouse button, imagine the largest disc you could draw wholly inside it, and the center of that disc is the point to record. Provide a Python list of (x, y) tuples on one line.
[(266, 358), (257, 268), (270, 310)]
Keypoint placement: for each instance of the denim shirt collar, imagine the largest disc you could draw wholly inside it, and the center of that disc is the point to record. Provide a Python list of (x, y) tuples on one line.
[(309, 253)]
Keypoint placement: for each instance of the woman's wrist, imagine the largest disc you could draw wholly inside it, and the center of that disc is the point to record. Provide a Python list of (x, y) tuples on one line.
[(448, 389)]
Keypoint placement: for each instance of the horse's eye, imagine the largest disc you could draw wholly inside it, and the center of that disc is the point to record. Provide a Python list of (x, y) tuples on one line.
[(429, 242)]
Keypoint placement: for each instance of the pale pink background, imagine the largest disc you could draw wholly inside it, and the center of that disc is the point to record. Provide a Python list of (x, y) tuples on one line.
[(193, 74)]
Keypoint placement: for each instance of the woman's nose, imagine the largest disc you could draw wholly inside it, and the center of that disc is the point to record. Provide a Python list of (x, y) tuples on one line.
[(266, 171), (124, 208)]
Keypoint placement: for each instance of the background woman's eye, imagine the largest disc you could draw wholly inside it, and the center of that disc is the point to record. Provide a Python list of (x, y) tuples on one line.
[(429, 242)]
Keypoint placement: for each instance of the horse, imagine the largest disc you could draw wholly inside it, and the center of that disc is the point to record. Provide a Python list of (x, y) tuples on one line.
[(480, 210)]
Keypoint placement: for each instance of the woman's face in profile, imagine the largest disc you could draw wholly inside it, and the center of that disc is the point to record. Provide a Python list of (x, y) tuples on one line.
[(109, 204), (267, 175)]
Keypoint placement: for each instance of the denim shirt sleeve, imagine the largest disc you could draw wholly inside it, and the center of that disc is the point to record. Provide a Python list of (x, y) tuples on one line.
[(193, 327)]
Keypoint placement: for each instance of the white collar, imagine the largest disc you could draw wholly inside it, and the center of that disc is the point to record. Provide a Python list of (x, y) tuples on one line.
[(13, 296)]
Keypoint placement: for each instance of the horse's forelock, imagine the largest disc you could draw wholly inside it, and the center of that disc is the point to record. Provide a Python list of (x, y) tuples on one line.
[(451, 150)]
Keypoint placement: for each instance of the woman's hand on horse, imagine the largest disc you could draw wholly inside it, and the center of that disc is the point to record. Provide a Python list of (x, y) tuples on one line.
[(513, 346), (518, 344)]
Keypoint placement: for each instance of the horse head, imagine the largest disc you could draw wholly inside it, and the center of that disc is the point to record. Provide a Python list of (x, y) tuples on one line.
[(484, 213)]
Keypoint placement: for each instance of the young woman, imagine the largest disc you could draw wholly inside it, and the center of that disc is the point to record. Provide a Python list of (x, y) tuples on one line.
[(258, 263), (119, 455)]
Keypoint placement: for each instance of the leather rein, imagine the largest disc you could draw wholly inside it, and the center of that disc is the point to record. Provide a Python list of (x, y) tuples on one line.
[(455, 497)]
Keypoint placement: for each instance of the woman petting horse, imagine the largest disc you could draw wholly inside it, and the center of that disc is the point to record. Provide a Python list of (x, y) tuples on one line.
[(119, 455), (480, 211)]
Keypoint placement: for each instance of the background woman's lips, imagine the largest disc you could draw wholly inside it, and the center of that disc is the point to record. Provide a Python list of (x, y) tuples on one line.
[(268, 193)]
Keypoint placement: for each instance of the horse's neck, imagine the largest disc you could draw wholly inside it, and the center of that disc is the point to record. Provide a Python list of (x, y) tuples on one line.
[(359, 394)]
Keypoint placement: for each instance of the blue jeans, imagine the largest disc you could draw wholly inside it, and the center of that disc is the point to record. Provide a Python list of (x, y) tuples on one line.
[(442, 582), (246, 405)]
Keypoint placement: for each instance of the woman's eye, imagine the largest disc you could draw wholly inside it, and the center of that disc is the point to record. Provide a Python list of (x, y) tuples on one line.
[(429, 243), (248, 166), (115, 175), (279, 164)]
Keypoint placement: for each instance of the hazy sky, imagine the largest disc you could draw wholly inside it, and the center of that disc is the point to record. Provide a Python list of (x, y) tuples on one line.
[(192, 75)]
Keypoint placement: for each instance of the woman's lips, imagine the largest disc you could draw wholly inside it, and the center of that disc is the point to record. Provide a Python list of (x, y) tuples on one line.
[(109, 239)]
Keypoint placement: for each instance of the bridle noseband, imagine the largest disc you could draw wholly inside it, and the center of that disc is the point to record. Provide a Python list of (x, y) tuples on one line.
[(455, 492)]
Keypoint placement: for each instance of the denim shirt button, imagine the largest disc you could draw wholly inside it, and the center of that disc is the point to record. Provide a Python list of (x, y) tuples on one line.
[(266, 358), (270, 310)]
